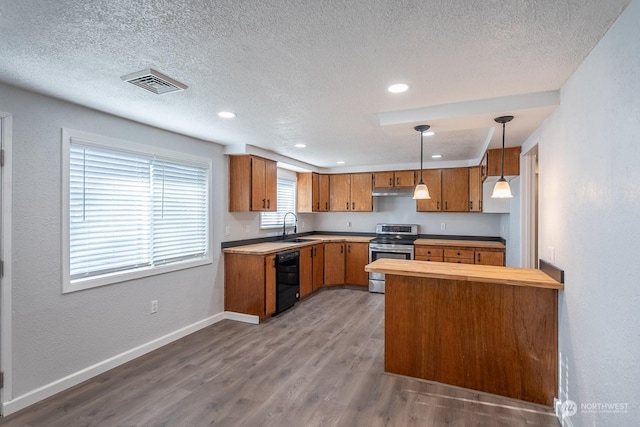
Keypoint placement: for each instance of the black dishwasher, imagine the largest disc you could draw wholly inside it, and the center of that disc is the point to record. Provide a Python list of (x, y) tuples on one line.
[(287, 279)]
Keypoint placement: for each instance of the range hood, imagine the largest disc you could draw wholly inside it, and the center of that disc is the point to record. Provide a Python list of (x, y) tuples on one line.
[(394, 192)]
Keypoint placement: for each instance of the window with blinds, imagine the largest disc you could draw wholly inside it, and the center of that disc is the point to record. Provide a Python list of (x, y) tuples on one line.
[(132, 212), (286, 203)]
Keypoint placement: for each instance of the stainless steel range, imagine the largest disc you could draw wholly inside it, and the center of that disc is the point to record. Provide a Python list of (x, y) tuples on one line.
[(392, 241)]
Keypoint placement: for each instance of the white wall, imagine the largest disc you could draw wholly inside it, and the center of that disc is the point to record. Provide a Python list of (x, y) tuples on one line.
[(589, 213), (57, 335), (403, 210)]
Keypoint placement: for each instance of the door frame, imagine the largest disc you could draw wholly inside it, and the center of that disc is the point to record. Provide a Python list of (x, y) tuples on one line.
[(5, 254), (529, 205)]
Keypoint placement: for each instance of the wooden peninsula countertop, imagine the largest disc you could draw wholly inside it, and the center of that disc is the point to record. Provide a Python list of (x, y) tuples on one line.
[(487, 328), (465, 272)]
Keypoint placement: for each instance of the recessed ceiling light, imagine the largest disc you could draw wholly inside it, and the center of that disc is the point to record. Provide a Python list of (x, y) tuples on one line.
[(428, 133), (436, 156), (398, 88), (300, 145), (226, 114), (340, 162)]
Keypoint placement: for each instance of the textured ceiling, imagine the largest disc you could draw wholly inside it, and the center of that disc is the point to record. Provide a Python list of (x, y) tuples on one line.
[(312, 72)]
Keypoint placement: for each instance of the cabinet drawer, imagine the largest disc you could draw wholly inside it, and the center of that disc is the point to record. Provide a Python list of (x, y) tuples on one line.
[(428, 251), (459, 254), (430, 258), (459, 260)]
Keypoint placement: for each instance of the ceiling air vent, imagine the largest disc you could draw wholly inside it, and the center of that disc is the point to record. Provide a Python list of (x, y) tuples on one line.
[(154, 81)]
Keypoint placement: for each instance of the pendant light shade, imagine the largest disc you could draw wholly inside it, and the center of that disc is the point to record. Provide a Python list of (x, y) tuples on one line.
[(502, 189), (421, 192)]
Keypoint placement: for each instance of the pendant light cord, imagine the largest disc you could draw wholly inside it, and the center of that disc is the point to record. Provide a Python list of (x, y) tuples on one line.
[(502, 172), (421, 156)]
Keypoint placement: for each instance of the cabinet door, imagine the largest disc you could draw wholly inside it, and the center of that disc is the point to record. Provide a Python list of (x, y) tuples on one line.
[(269, 284), (489, 258), (324, 192), (315, 192), (433, 179), (475, 189), (511, 161), (361, 189), (318, 266), (383, 179), (340, 189), (271, 185), (357, 258), (306, 271), (455, 190), (306, 192), (404, 179), (334, 264), (258, 179)]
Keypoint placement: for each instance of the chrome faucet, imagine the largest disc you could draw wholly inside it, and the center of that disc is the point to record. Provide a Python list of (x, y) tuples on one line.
[(284, 225)]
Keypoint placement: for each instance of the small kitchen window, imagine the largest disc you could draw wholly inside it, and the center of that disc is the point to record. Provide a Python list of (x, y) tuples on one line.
[(286, 203), (130, 211)]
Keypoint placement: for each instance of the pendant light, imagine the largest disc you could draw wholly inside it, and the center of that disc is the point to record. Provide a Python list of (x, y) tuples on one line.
[(502, 189), (421, 192)]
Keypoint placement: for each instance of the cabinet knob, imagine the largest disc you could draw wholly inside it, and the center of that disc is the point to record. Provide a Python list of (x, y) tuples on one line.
[(347, 205), (390, 182), (263, 203), (269, 204), (429, 252), (470, 205), (438, 205), (446, 206), (353, 206)]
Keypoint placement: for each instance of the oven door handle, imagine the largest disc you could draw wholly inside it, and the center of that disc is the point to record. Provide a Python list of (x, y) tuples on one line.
[(393, 251)]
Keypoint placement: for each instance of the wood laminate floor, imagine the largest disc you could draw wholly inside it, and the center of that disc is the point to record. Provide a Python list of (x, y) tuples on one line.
[(318, 364)]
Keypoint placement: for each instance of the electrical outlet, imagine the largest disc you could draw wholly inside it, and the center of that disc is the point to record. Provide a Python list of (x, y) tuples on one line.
[(551, 254), (348, 223), (302, 225), (443, 226), (154, 306), (227, 231), (247, 229)]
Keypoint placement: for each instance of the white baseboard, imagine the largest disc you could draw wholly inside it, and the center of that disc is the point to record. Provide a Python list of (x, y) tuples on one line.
[(57, 386), (239, 317)]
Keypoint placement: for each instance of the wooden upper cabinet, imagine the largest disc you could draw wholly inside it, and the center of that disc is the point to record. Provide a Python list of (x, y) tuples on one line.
[(433, 179), (252, 184), (383, 179), (397, 179), (455, 190), (475, 189), (405, 179), (312, 192), (357, 258), (351, 192), (323, 192), (511, 161), (484, 165), (361, 189), (340, 189)]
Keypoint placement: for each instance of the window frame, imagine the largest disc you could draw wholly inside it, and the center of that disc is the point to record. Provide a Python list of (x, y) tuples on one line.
[(104, 142), (290, 219)]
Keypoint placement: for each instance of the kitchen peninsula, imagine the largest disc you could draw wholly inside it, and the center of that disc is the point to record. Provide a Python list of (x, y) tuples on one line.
[(487, 328)]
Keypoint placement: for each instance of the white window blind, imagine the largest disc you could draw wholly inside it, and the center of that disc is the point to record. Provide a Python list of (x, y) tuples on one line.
[(128, 211), (286, 203)]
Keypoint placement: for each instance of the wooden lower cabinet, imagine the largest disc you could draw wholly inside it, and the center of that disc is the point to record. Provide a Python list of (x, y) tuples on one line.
[(306, 271), (429, 253), (334, 264), (489, 257), (460, 255), (250, 284), (318, 266), (357, 258)]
